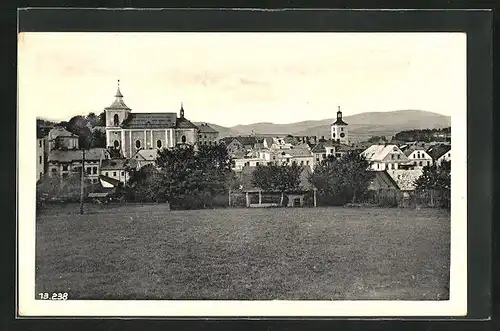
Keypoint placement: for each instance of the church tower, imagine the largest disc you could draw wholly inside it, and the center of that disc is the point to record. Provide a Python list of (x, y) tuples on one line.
[(338, 129), (117, 112)]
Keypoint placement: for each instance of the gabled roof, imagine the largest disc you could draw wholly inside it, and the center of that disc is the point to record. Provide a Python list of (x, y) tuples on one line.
[(59, 131), (109, 180), (437, 151), (146, 155), (93, 154), (150, 121), (382, 180), (405, 178), (113, 164), (407, 151), (378, 152), (205, 128)]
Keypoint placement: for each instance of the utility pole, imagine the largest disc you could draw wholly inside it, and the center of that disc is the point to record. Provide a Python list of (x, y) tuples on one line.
[(83, 182)]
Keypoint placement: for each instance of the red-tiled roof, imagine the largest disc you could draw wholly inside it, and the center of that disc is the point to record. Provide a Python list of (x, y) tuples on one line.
[(93, 154), (438, 150), (113, 164)]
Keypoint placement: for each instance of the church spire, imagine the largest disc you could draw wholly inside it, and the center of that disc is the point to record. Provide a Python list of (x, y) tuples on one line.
[(182, 110), (118, 93)]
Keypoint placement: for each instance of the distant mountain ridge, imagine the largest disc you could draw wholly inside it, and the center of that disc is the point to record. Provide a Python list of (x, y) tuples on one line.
[(361, 126)]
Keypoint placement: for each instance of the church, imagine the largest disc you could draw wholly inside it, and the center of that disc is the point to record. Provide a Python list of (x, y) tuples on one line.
[(338, 130), (130, 132)]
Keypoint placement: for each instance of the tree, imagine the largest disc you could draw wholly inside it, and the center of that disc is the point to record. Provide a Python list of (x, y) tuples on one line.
[(186, 177), (78, 125), (435, 178), (376, 139), (92, 119), (282, 178), (346, 178), (97, 138), (101, 119), (143, 184)]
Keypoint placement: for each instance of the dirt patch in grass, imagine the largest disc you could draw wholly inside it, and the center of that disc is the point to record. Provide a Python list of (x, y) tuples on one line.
[(134, 252)]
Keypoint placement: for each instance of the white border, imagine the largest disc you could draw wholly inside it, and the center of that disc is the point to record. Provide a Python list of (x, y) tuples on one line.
[(28, 306)]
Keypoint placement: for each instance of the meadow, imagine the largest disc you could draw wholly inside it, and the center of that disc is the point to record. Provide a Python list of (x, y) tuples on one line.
[(325, 253)]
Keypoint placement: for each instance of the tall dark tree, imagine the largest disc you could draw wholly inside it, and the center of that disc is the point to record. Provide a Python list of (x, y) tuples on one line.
[(346, 178), (435, 178), (78, 125), (277, 178)]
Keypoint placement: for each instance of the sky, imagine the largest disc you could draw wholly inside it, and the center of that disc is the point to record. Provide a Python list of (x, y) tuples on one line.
[(242, 78)]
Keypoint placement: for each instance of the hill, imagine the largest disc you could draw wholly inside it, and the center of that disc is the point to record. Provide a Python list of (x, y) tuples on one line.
[(223, 131), (363, 126)]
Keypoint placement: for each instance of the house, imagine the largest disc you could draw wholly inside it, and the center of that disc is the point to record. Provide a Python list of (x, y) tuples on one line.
[(143, 157), (323, 150), (418, 156), (240, 144), (207, 135), (60, 138), (384, 157), (440, 153), (41, 152), (64, 163), (116, 169), (131, 132)]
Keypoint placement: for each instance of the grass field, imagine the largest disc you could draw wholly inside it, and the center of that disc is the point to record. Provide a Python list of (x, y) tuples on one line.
[(144, 252)]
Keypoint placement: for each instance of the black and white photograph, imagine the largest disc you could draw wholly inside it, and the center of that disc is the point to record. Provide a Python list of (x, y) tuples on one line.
[(246, 174)]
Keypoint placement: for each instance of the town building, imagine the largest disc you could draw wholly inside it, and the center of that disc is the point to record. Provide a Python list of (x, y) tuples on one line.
[(130, 132), (440, 153), (143, 158), (385, 157), (41, 154), (207, 135), (115, 169), (338, 130), (60, 138), (418, 157), (64, 163)]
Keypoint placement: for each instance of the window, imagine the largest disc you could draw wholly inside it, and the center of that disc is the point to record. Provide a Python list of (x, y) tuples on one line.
[(39, 143), (341, 129), (342, 135), (333, 135), (158, 143), (428, 163), (65, 167), (205, 137), (183, 139), (301, 162), (420, 163), (54, 170), (116, 120), (256, 163), (307, 162), (114, 173), (106, 174), (137, 143), (40, 159), (324, 156), (94, 170), (123, 173), (88, 170), (41, 174), (116, 144)]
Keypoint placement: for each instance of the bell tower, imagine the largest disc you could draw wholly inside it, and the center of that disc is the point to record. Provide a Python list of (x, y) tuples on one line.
[(118, 111), (338, 129)]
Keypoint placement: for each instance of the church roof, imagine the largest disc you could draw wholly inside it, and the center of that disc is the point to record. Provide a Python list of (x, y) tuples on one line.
[(150, 121), (118, 104), (183, 123), (339, 121)]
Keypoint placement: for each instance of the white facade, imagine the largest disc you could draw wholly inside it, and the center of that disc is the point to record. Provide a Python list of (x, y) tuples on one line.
[(384, 157), (445, 157), (419, 158)]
